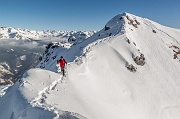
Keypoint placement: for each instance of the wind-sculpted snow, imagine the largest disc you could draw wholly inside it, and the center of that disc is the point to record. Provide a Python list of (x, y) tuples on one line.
[(99, 82)]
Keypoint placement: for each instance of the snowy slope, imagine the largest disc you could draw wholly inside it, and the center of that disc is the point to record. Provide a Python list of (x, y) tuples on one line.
[(101, 84)]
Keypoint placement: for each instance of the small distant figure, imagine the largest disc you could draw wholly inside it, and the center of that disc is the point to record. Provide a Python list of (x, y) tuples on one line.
[(62, 62)]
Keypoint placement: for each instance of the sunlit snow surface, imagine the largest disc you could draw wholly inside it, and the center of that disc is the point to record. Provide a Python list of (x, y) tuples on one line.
[(98, 84)]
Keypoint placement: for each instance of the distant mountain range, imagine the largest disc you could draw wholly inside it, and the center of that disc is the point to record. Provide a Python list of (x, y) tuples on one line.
[(18, 33)]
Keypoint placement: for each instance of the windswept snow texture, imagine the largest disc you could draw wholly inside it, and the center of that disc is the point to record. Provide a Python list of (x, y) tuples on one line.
[(98, 84)]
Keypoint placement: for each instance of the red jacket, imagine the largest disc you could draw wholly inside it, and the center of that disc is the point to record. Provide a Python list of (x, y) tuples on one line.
[(62, 62)]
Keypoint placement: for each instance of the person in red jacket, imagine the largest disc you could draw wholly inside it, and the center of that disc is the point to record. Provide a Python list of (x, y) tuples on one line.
[(62, 62)]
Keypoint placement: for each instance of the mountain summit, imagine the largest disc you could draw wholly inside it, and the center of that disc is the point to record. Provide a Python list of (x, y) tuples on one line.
[(127, 70)]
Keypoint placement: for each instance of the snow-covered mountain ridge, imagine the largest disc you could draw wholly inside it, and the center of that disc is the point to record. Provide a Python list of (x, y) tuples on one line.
[(128, 70), (18, 33), (18, 45)]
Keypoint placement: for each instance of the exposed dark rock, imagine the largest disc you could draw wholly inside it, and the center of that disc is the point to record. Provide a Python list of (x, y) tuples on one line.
[(135, 25), (121, 18), (40, 58), (110, 34), (154, 31), (106, 28), (138, 23), (54, 57), (71, 38), (131, 68), (140, 60)]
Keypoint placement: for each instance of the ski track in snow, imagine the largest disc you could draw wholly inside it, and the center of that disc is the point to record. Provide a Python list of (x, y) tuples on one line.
[(40, 101)]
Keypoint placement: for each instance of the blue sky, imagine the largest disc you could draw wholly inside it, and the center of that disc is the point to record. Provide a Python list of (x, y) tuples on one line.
[(83, 14)]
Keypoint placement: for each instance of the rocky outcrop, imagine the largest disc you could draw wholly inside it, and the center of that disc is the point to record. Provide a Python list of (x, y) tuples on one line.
[(131, 68), (140, 60)]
